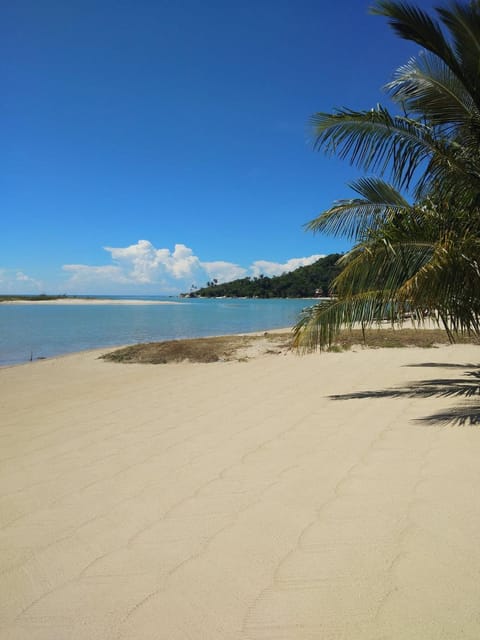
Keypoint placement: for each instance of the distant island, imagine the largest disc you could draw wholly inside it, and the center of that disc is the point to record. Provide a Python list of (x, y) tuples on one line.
[(305, 282)]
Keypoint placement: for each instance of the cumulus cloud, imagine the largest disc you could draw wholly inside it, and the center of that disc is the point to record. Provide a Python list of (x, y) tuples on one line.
[(143, 267), (143, 263), (224, 271), (267, 268), (12, 281)]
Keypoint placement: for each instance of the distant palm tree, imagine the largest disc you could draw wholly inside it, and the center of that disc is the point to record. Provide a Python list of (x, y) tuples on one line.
[(416, 253)]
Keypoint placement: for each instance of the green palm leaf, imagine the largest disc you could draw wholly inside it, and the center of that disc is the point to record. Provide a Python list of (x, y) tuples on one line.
[(319, 326), (427, 87), (414, 24), (463, 24), (375, 140), (383, 267), (351, 218)]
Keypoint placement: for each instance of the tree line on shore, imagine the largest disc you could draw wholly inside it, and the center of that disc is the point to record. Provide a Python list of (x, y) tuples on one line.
[(305, 282)]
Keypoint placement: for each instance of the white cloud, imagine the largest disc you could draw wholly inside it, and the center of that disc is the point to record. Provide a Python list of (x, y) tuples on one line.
[(224, 271), (143, 263), (84, 274), (277, 268), (141, 267), (12, 281)]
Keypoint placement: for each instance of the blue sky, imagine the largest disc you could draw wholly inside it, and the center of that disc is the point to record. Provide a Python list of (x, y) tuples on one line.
[(151, 145)]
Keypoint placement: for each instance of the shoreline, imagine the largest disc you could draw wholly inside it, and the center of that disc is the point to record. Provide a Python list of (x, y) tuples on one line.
[(88, 300), (427, 326), (112, 348), (274, 497)]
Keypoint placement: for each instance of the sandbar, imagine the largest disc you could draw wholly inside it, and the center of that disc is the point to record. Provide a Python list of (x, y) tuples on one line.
[(89, 301), (289, 498)]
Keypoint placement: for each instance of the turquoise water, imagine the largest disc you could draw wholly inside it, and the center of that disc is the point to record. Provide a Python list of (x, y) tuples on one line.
[(31, 331)]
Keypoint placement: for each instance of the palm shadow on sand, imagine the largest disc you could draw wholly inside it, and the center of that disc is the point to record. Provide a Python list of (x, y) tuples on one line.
[(466, 386)]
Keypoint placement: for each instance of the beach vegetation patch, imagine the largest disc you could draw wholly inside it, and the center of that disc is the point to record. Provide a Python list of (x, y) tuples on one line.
[(395, 338), (244, 348), (206, 350)]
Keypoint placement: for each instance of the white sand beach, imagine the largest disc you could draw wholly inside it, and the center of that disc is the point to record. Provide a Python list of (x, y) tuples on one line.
[(238, 500)]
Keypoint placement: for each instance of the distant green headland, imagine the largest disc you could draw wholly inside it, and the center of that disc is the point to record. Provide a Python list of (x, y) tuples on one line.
[(305, 282)]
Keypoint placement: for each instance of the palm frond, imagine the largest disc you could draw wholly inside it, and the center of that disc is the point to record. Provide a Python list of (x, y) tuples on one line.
[(352, 217), (382, 267), (387, 282), (414, 24), (427, 87), (318, 326), (380, 192), (463, 23), (450, 283), (375, 140)]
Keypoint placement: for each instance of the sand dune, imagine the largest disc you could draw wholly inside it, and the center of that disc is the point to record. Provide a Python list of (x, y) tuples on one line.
[(239, 500)]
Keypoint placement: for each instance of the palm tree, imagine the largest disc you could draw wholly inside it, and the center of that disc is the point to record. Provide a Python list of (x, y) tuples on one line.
[(417, 235)]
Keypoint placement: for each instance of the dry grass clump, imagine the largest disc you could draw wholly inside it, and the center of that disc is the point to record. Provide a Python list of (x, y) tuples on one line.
[(377, 338), (223, 348), (242, 348)]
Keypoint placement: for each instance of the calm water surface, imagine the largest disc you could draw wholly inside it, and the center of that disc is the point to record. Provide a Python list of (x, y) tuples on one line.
[(30, 331)]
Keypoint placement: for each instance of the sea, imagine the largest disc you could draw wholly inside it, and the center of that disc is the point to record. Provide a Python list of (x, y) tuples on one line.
[(35, 331)]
